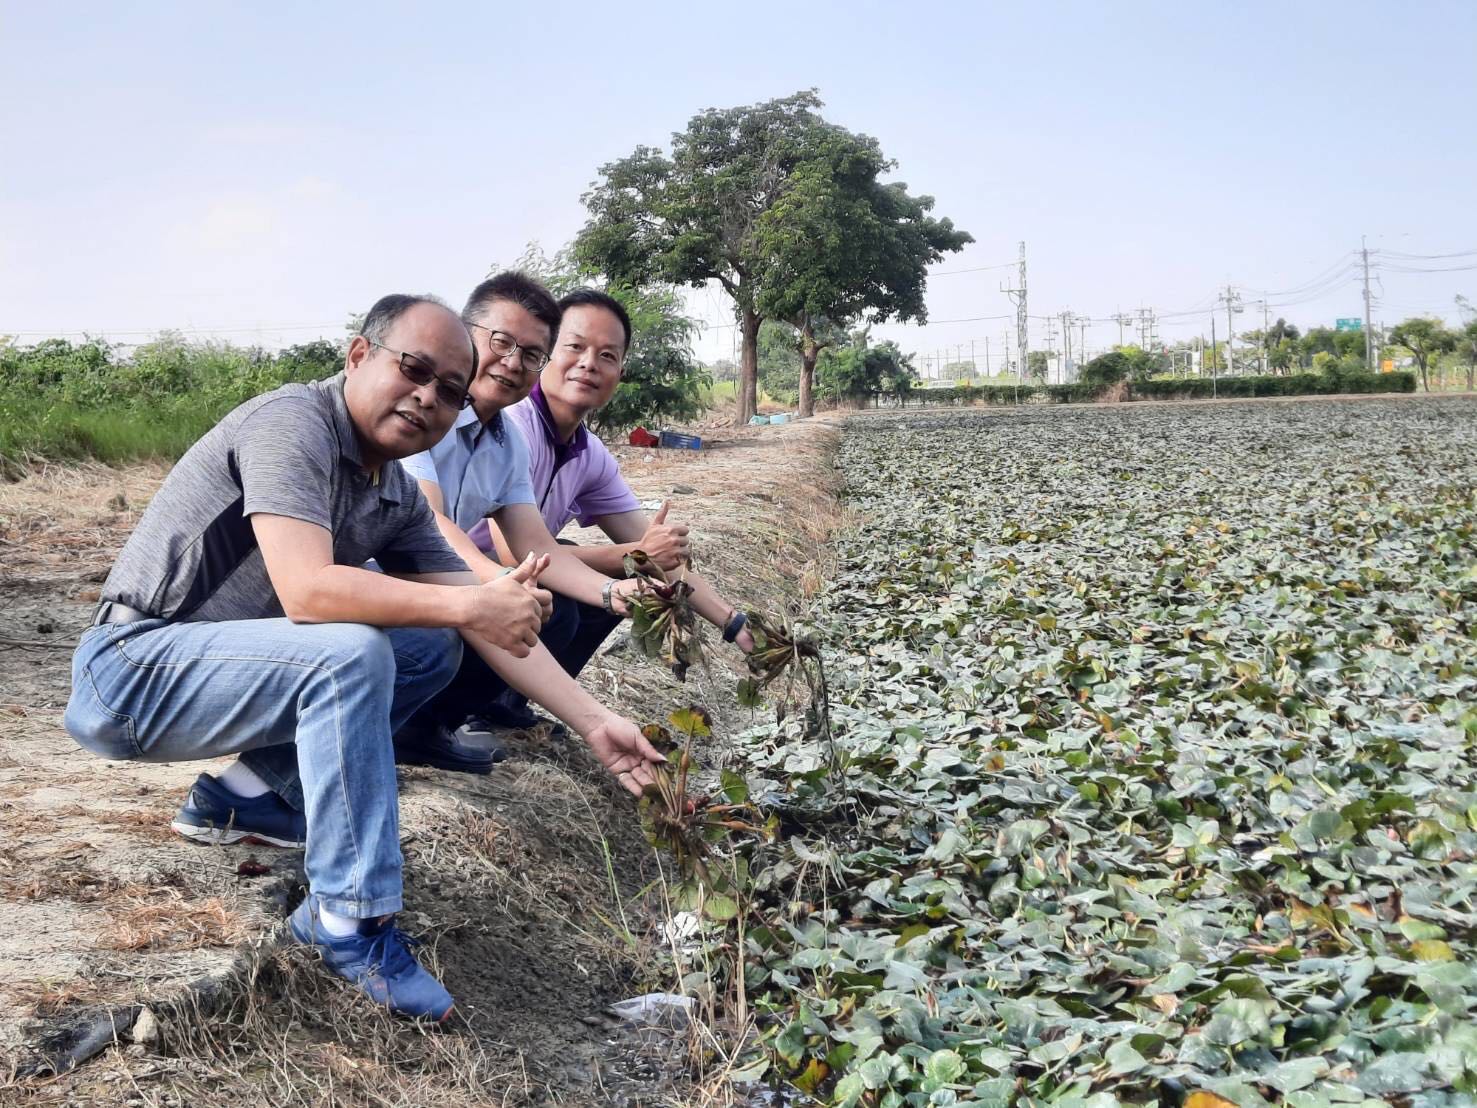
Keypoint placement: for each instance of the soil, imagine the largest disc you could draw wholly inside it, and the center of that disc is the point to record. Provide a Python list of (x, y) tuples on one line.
[(539, 899)]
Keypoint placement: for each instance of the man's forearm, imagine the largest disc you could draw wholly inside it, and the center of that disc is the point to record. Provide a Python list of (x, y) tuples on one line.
[(707, 603), (608, 559), (348, 594), (543, 680)]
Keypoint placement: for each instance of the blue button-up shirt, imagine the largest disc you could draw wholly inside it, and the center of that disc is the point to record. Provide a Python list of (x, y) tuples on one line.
[(478, 472)]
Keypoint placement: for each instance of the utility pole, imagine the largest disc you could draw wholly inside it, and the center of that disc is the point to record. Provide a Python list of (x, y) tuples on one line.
[(1066, 345), (1368, 329), (1081, 338), (1018, 298), (1214, 377), (987, 355), (1121, 318), (1265, 340), (1232, 300), (1050, 341)]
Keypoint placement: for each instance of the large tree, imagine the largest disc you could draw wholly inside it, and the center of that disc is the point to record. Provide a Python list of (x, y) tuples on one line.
[(724, 207), (840, 246), (1426, 339)]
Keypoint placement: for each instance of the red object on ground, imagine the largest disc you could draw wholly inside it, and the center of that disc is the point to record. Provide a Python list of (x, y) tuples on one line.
[(642, 437)]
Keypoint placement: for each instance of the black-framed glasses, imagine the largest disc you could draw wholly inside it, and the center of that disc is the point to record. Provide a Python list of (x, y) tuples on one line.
[(419, 373), (502, 344)]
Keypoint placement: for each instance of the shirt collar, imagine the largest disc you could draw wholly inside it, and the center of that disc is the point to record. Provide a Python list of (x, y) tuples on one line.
[(467, 417), (562, 451), (348, 440)]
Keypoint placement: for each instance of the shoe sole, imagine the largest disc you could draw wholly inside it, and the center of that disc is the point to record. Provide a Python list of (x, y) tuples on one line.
[(220, 836), (478, 768)]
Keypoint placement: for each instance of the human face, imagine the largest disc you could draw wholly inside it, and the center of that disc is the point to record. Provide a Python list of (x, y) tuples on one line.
[(588, 359), (502, 382), (392, 415)]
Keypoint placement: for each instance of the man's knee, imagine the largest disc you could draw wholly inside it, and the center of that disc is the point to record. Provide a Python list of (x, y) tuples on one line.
[(97, 728), (357, 646)]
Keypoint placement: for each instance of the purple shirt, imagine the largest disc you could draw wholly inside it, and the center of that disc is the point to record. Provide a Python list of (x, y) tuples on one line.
[(579, 479)]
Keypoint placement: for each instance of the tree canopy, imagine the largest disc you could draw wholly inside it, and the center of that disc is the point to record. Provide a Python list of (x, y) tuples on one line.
[(783, 210)]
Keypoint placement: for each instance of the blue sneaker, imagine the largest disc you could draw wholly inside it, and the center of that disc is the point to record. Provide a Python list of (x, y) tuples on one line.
[(378, 960), (212, 813)]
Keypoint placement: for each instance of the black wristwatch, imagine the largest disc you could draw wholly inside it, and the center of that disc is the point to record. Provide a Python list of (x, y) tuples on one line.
[(734, 625)]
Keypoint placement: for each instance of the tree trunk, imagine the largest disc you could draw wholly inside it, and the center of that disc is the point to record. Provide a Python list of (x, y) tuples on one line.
[(1425, 381), (808, 353), (748, 390)]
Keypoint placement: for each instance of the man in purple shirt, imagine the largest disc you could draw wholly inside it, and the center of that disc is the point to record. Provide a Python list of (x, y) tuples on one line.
[(575, 477)]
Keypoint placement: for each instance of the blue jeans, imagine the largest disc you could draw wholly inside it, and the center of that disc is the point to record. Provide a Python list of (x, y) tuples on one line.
[(309, 707)]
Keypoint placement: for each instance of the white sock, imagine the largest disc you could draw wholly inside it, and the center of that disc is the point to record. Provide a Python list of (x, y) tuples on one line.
[(242, 780), (336, 925)]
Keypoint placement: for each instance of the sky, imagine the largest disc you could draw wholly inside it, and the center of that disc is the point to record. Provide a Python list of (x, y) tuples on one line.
[(260, 172)]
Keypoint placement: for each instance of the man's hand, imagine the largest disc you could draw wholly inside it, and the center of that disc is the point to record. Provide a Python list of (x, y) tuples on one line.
[(619, 745), (621, 595), (509, 611), (665, 543), (744, 641)]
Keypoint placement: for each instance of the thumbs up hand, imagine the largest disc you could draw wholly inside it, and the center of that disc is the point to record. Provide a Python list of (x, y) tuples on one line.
[(509, 610), (666, 543)]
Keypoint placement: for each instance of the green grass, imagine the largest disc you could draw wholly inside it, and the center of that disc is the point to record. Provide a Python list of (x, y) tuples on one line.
[(35, 429)]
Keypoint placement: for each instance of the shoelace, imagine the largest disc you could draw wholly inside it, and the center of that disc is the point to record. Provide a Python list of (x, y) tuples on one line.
[(388, 953)]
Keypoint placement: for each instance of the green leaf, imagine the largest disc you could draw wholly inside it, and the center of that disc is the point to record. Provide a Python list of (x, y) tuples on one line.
[(692, 721), (718, 907), (735, 788), (944, 1067), (1123, 1058)]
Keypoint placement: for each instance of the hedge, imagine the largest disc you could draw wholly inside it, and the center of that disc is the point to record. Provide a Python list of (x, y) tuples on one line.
[(1174, 388)]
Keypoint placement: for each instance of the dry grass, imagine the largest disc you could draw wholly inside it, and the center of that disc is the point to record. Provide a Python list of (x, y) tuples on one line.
[(52, 997), (165, 919)]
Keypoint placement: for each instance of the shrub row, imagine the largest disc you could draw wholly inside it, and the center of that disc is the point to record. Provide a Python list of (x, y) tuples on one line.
[(1175, 388)]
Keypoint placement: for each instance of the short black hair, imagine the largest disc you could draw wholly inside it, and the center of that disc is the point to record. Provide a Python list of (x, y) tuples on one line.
[(594, 298), (387, 309), (517, 288)]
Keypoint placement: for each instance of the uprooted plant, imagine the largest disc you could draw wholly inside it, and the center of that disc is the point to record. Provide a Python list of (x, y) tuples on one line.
[(664, 626), (686, 825)]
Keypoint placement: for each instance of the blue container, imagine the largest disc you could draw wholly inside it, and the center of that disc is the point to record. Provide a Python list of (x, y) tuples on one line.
[(677, 440)]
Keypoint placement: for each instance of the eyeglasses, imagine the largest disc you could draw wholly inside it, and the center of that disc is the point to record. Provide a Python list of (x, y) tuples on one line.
[(502, 344), (417, 372)]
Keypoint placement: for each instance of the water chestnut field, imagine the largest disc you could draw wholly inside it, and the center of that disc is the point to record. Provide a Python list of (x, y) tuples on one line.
[(1153, 777)]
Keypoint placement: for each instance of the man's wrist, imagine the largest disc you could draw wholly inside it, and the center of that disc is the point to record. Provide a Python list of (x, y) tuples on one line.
[(733, 625)]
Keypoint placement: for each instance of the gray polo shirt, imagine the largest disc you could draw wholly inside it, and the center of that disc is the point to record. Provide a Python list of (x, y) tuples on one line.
[(290, 452)]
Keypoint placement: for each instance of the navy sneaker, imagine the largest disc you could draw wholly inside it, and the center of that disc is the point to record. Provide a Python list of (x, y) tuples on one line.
[(484, 725), (378, 960), (212, 813), (418, 744)]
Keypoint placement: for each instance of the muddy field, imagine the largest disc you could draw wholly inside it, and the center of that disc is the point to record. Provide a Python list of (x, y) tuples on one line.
[(540, 900)]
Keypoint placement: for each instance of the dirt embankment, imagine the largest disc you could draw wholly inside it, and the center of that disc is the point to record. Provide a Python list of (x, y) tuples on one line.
[(538, 896)]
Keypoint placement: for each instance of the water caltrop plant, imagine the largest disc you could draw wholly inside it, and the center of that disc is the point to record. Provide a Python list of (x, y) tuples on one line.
[(1158, 729)]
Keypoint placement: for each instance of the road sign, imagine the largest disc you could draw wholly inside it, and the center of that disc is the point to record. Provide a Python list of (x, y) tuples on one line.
[(1349, 325)]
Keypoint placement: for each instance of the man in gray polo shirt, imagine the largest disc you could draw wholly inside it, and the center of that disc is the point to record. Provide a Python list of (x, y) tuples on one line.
[(237, 620)]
